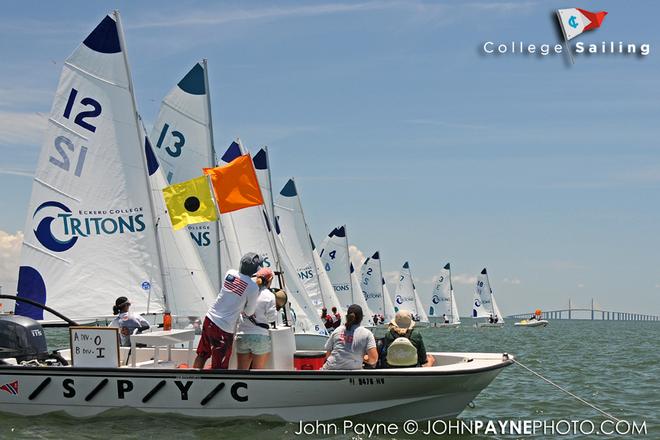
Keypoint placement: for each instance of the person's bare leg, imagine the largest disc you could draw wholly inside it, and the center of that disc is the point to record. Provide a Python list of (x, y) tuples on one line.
[(199, 362), (259, 361), (243, 361)]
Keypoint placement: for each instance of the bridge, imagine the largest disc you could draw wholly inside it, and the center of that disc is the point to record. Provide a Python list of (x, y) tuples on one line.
[(595, 312)]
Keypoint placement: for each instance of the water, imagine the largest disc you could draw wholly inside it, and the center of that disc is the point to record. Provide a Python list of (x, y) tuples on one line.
[(615, 365)]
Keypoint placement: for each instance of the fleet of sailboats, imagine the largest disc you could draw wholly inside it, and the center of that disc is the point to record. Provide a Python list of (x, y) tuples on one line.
[(100, 229)]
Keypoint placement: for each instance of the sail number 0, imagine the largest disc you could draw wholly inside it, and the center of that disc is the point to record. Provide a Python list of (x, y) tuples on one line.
[(63, 144)]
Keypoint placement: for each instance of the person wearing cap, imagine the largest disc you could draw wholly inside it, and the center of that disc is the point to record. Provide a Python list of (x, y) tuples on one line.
[(350, 345), (238, 295), (252, 336), (403, 326), (126, 321)]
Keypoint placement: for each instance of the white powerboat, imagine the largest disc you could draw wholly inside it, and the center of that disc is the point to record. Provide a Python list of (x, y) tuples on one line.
[(531, 323)]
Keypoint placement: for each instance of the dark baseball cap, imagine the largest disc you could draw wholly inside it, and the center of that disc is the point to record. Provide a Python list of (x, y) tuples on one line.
[(250, 264)]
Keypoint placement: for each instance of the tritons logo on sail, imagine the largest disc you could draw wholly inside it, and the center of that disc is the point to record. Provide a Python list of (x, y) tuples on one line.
[(60, 232)]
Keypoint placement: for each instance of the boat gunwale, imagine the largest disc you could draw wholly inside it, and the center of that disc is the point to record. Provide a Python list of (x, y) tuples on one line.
[(250, 374)]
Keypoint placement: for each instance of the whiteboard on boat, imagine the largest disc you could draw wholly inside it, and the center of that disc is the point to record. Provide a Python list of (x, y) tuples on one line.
[(94, 346)]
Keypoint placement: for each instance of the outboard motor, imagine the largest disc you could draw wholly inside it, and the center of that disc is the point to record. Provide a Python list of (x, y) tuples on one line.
[(22, 338)]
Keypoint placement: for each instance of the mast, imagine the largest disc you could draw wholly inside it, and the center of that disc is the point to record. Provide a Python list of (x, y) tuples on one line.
[(213, 163), (348, 261), (141, 138), (382, 291), (451, 295)]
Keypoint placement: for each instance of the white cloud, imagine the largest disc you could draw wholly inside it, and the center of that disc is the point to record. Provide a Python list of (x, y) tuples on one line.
[(24, 129), (464, 279), (10, 251), (515, 281), (357, 256)]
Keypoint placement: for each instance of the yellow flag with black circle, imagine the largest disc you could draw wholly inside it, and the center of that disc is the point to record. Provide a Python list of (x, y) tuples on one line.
[(190, 202)]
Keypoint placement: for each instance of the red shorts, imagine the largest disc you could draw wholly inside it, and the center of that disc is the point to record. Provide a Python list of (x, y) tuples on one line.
[(216, 344)]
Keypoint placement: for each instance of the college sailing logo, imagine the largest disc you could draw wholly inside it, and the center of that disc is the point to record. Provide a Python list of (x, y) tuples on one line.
[(60, 228), (572, 23)]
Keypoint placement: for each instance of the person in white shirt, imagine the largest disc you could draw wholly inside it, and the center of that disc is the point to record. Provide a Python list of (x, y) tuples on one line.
[(350, 345), (252, 336), (238, 295), (126, 321)]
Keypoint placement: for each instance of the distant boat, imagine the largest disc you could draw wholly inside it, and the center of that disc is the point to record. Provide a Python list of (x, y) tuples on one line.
[(405, 297), (531, 323), (484, 305), (443, 311)]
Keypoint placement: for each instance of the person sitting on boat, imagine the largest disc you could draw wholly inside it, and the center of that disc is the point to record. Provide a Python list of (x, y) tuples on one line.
[(445, 319), (252, 335), (326, 319), (238, 294), (495, 319), (126, 321), (490, 319), (350, 345), (336, 318), (407, 342), (532, 318)]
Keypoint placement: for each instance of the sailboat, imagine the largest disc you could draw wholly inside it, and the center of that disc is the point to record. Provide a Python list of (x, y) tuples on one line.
[(251, 230), (337, 264), (405, 297), (373, 288), (443, 311), (298, 244), (93, 235), (484, 303)]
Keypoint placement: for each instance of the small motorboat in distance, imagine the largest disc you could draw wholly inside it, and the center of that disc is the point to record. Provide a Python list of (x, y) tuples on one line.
[(531, 323)]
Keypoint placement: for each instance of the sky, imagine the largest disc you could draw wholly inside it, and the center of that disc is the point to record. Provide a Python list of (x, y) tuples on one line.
[(395, 122)]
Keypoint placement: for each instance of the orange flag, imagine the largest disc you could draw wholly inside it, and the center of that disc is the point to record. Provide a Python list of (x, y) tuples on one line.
[(235, 185)]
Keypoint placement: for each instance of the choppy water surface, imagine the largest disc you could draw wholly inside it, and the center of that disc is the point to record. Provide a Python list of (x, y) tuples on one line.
[(615, 365)]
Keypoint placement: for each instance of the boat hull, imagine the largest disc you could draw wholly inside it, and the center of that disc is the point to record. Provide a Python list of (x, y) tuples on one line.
[(384, 395), (541, 323), (489, 325)]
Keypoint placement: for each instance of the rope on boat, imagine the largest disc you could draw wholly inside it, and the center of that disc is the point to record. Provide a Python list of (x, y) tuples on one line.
[(606, 414)]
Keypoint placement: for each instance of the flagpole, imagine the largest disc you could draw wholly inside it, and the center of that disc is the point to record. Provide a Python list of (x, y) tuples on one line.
[(213, 163), (566, 45)]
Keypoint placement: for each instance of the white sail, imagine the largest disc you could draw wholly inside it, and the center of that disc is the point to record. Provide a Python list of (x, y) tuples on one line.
[(441, 299), (182, 139), (496, 311), (421, 309), (89, 236), (389, 305), (371, 284), (335, 258), (250, 230), (189, 291), (294, 232), (455, 317), (359, 298), (404, 295), (484, 302)]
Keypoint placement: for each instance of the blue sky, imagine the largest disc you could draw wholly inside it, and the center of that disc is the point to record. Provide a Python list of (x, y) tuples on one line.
[(394, 122)]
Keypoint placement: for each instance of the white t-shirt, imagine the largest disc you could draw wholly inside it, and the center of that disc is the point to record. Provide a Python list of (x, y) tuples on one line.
[(238, 294), (347, 348), (264, 313)]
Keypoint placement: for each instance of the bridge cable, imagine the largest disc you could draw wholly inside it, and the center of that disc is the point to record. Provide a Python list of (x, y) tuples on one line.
[(606, 414)]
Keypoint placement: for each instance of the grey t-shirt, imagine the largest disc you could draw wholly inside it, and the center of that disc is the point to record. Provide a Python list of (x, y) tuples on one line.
[(347, 348)]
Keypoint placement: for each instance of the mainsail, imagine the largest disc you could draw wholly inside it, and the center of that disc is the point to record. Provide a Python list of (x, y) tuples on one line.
[(183, 142), (404, 295), (336, 263), (389, 305), (442, 297), (250, 230), (294, 233), (371, 284), (359, 298), (484, 301), (89, 236)]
